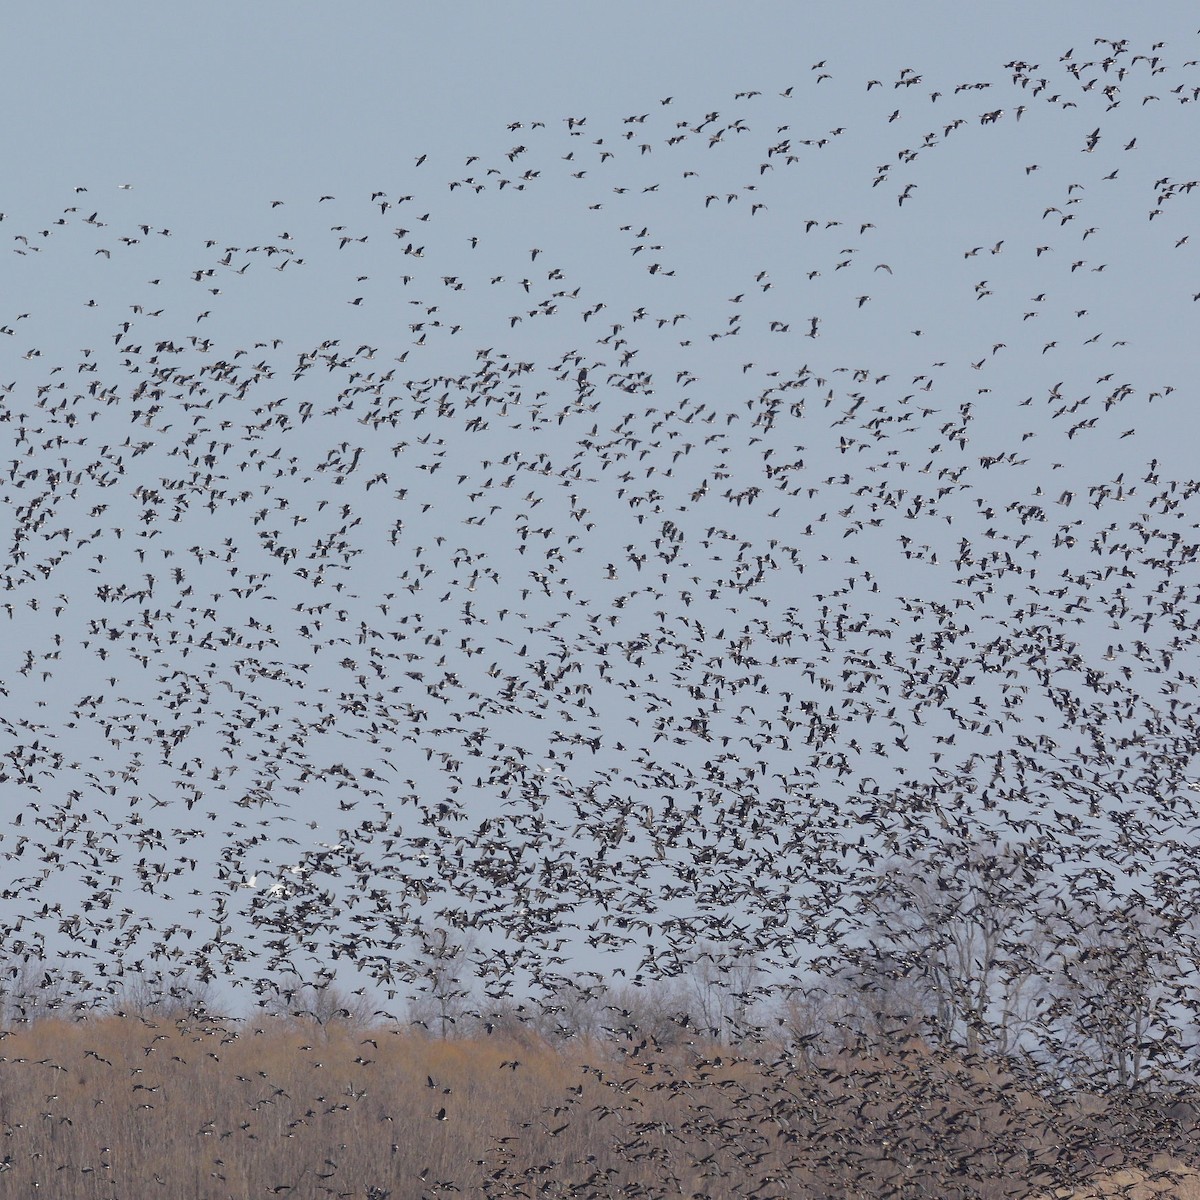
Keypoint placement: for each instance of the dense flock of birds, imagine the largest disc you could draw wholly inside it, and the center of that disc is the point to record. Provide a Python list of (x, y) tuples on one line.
[(629, 538)]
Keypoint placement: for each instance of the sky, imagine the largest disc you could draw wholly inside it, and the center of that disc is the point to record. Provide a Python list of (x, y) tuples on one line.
[(603, 476)]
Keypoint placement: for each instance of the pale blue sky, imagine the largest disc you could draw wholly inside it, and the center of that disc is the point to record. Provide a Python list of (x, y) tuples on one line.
[(1051, 284)]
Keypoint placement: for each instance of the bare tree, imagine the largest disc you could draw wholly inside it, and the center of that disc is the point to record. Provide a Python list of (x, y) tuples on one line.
[(28, 992), (960, 928), (574, 1010), (803, 1021), (322, 1001), (657, 1012), (181, 994), (723, 991), (1118, 974), (876, 1000), (443, 966)]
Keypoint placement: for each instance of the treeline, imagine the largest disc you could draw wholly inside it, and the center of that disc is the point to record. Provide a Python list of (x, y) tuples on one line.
[(974, 946), (831, 1093), (990, 1031), (136, 1106)]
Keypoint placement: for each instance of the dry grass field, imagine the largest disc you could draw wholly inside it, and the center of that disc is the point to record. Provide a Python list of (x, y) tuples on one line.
[(130, 1107), (1162, 1180)]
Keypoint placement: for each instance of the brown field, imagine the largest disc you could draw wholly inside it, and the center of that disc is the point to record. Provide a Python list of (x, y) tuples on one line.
[(130, 1107), (1165, 1179)]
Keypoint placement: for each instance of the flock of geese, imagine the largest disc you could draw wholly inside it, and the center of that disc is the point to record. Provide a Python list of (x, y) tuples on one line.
[(637, 537)]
